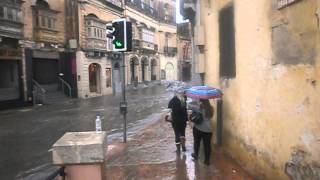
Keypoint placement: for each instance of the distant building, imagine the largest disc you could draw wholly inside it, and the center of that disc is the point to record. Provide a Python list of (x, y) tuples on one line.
[(97, 69), (13, 82), (52, 49), (154, 55), (47, 56), (184, 51)]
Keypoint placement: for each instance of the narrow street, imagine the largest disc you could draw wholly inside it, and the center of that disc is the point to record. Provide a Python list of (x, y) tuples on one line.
[(151, 154), (27, 134)]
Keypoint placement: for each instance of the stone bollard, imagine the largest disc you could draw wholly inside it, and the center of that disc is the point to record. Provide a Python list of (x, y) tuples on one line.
[(82, 154)]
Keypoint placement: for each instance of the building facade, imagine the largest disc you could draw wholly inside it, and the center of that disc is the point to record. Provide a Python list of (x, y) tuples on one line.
[(184, 52), (95, 69), (48, 60), (51, 49), (154, 55), (12, 80), (264, 55)]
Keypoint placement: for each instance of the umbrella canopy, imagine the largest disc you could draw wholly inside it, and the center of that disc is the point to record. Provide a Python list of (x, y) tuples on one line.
[(203, 92)]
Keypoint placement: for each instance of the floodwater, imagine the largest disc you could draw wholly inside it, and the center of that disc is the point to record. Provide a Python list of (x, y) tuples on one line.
[(27, 134), (150, 154)]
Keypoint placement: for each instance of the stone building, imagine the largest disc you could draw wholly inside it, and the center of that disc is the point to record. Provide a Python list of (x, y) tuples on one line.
[(154, 44), (51, 49), (48, 61), (154, 55), (95, 70), (264, 55), (13, 85), (184, 52)]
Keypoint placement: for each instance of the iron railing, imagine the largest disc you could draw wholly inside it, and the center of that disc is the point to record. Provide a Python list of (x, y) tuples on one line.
[(63, 84), (144, 8), (38, 91), (59, 172)]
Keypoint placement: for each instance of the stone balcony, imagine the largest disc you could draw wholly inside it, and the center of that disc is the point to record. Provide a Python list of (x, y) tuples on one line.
[(144, 46)]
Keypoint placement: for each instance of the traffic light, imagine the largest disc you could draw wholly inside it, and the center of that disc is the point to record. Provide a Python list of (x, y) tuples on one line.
[(120, 31)]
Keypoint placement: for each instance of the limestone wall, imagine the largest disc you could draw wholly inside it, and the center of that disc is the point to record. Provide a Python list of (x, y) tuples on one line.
[(271, 116)]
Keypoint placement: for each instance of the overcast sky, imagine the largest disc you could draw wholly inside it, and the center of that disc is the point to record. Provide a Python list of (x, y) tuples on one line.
[(179, 18)]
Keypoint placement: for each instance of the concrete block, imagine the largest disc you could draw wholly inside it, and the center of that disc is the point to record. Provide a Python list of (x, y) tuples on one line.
[(80, 148)]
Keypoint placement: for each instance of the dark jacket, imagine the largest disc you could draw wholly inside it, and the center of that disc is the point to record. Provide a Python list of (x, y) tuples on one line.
[(179, 112)]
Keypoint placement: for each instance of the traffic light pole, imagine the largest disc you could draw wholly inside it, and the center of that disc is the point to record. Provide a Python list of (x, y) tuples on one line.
[(120, 31), (123, 104)]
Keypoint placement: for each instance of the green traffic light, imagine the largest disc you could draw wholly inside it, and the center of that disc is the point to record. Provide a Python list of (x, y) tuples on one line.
[(118, 44)]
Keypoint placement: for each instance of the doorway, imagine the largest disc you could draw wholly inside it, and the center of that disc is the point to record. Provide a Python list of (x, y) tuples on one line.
[(94, 78)]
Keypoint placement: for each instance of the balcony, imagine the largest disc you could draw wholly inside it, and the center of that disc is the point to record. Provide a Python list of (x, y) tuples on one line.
[(95, 39), (46, 35), (168, 20), (96, 44), (115, 4), (6, 53), (143, 8), (11, 23), (170, 51), (46, 25), (144, 46), (11, 28)]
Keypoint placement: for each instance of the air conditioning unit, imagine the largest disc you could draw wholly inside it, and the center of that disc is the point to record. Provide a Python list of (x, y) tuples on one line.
[(73, 44), (199, 36), (200, 63)]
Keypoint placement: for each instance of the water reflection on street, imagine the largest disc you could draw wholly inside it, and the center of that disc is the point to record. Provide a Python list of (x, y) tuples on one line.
[(27, 134)]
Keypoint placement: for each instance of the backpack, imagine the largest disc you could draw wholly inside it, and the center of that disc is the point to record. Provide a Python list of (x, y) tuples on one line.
[(196, 117)]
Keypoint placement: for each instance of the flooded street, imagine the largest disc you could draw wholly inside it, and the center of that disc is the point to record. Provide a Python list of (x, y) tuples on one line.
[(27, 134), (150, 154)]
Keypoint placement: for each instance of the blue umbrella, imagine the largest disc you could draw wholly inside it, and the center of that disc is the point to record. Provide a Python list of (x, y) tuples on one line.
[(203, 92)]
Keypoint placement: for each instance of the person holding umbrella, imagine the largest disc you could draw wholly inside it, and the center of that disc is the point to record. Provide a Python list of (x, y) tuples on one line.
[(202, 129)]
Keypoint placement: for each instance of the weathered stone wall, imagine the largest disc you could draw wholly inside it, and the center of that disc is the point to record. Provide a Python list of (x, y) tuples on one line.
[(270, 107)]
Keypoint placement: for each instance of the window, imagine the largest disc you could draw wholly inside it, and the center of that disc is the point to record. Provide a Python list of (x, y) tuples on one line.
[(38, 19), (108, 77), (109, 45), (166, 44), (49, 23), (89, 32), (1, 12), (53, 21), (9, 13), (43, 21), (19, 16), (147, 36)]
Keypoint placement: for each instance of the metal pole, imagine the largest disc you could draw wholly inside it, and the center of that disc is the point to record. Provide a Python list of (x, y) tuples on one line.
[(124, 112)]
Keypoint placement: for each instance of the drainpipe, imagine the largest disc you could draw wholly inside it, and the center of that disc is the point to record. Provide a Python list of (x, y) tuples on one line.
[(219, 122)]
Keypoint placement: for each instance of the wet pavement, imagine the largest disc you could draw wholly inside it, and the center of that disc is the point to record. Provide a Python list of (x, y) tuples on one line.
[(150, 154), (27, 134)]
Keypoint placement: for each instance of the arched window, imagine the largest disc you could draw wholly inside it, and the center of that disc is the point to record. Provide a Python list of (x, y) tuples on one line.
[(42, 4)]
